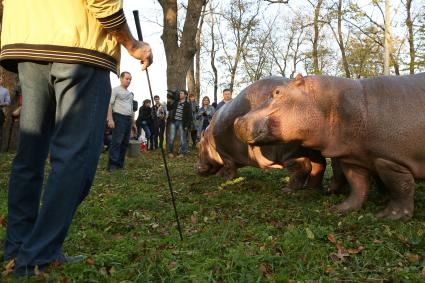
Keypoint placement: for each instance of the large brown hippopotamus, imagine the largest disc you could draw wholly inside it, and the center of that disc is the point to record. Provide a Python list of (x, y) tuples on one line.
[(373, 126), (221, 152)]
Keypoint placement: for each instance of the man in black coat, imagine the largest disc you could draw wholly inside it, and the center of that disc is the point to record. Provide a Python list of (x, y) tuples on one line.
[(180, 119)]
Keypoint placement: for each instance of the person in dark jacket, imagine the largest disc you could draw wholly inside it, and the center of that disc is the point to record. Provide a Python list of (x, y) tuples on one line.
[(159, 122), (194, 125), (145, 122), (180, 119)]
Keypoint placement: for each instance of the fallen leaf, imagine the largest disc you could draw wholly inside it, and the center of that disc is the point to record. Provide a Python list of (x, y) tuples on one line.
[(2, 221), (91, 261), (329, 270), (172, 265), (411, 257), (423, 271), (8, 268), (341, 252), (194, 219), (103, 271), (355, 250), (378, 241), (310, 234), (331, 238), (10, 265), (265, 270)]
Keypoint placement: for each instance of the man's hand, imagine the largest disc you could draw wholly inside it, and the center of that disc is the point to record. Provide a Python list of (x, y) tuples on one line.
[(138, 49), (111, 124), (142, 51)]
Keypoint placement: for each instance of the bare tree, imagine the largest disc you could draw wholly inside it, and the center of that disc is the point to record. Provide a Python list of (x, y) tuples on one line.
[(193, 76), (339, 13), (378, 33), (213, 51), (179, 53), (256, 59), (316, 29), (242, 20), (409, 26), (277, 1)]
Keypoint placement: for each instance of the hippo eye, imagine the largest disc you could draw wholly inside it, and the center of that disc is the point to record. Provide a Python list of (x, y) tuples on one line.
[(275, 93)]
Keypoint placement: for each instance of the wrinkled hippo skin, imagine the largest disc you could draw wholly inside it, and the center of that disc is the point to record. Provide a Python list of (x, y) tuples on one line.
[(222, 153), (373, 126)]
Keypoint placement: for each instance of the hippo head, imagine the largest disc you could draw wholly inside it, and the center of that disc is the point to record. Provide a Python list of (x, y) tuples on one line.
[(288, 116), (209, 161)]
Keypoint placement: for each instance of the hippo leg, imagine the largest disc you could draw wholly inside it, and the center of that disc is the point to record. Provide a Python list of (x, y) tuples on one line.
[(401, 186), (338, 183), (317, 172), (298, 169), (358, 179), (228, 171)]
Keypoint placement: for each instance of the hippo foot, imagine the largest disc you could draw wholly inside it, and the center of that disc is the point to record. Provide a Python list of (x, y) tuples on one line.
[(336, 189), (345, 207), (395, 212)]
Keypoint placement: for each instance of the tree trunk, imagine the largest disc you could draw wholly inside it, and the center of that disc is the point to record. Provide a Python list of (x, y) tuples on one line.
[(341, 41), (180, 57), (409, 25), (316, 38), (213, 53), (387, 39), (197, 90), (190, 79)]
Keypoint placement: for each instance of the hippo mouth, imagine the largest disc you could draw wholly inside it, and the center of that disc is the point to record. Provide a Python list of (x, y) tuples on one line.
[(261, 139)]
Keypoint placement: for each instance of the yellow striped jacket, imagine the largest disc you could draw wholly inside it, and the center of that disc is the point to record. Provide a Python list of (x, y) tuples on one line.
[(66, 31)]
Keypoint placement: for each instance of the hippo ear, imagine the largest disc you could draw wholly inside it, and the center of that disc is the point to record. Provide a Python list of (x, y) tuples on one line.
[(299, 80)]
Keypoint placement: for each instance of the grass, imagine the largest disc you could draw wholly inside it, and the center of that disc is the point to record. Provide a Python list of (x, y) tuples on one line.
[(244, 230)]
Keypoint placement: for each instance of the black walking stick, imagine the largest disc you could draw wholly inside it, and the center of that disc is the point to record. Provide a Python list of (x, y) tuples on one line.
[(140, 36)]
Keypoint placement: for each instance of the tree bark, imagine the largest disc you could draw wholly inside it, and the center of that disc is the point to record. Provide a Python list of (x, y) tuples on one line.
[(316, 38), (197, 89), (213, 53), (179, 57), (409, 25), (341, 41), (190, 79)]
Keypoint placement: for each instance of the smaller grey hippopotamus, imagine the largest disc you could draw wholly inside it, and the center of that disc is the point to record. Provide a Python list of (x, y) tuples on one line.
[(222, 153)]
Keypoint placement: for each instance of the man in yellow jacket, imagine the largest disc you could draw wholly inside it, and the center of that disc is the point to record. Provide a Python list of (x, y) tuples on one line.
[(63, 52)]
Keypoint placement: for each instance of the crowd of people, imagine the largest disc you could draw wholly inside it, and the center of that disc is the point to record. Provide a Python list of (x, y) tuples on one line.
[(183, 117)]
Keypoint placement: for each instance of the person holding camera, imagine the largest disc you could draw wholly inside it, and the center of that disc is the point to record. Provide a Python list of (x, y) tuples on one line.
[(195, 123), (180, 119), (205, 115)]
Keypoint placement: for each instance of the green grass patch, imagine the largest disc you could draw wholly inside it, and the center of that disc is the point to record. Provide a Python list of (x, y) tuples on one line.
[(244, 230)]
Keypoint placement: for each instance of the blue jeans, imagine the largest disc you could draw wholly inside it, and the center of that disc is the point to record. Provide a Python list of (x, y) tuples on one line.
[(175, 126), (120, 140), (63, 113)]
